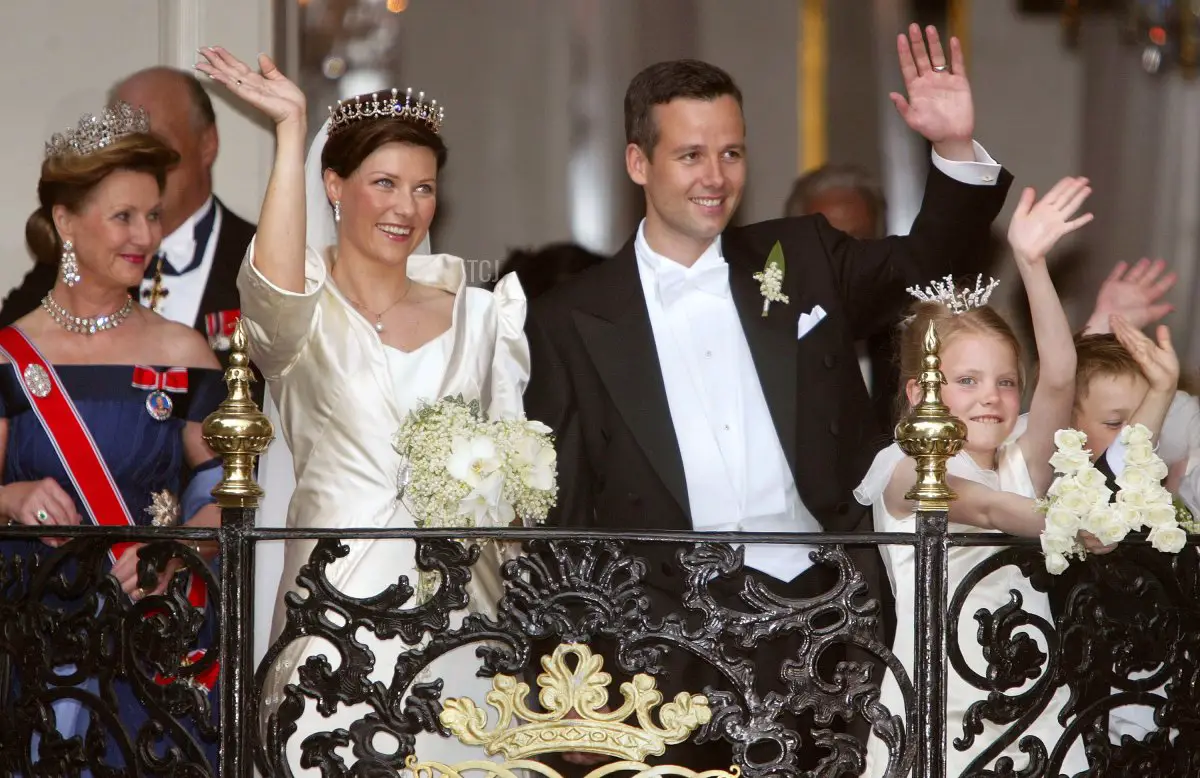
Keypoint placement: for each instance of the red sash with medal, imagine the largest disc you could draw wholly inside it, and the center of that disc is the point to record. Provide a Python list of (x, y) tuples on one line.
[(219, 327), (75, 446)]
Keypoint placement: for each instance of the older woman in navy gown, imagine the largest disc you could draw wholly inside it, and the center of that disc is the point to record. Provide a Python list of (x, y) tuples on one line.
[(100, 408)]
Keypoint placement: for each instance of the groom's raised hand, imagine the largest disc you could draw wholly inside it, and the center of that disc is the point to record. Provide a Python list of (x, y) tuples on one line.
[(938, 104)]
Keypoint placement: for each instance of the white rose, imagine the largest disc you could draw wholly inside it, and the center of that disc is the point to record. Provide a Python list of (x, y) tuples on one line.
[(1169, 540), (1156, 469), (1069, 440), (1070, 462), (1092, 479), (1108, 525), (1064, 485), (536, 427), (1057, 543), (1139, 455), (1134, 478), (1137, 435), (1135, 498), (1157, 494), (1056, 564), (1062, 521), (1098, 497), (1076, 502), (1132, 517), (1159, 515)]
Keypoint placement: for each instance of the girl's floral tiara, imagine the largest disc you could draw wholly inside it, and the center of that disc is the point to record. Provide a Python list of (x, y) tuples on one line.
[(949, 295)]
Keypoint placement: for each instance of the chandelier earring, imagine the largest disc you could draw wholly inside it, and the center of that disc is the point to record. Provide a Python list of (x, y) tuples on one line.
[(69, 265), (337, 211)]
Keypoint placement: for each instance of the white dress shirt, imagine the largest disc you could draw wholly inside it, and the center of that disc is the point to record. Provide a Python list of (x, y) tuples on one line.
[(737, 475), (182, 304)]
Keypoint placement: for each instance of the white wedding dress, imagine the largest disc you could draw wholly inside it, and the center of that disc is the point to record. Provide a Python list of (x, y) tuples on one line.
[(337, 394), (990, 594)]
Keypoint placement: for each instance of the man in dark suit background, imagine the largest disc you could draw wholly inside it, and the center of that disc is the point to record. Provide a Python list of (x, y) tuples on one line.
[(680, 401), (204, 241)]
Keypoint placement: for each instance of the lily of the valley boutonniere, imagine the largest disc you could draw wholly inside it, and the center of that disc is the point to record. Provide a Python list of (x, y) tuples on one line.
[(770, 280)]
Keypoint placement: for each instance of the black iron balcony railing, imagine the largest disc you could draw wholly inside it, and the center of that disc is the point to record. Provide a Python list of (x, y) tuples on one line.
[(1126, 632)]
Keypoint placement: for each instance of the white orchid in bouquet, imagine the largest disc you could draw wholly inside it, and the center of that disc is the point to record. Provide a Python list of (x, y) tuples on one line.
[(1080, 500), (459, 469)]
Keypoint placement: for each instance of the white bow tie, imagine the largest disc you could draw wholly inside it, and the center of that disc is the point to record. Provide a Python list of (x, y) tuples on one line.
[(675, 280)]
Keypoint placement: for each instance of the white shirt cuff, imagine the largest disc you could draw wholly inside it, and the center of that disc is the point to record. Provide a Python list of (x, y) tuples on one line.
[(984, 171)]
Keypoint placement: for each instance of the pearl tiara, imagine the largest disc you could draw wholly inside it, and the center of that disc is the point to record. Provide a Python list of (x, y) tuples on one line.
[(949, 295), (393, 106), (96, 132)]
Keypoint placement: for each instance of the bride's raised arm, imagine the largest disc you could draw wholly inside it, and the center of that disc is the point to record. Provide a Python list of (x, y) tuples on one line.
[(280, 281), (279, 244)]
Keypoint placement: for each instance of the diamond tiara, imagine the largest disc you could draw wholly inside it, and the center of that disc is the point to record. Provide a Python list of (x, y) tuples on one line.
[(362, 107), (96, 132), (949, 295)]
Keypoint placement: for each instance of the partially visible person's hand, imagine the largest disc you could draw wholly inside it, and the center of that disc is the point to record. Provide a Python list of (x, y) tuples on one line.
[(1036, 227), (1157, 360), (1133, 293), (125, 571), (1093, 544), (41, 503)]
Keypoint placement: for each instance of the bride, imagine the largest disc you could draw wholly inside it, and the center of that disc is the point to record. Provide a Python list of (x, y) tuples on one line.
[(351, 329)]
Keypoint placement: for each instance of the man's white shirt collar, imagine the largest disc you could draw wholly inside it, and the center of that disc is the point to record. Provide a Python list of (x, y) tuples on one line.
[(180, 245)]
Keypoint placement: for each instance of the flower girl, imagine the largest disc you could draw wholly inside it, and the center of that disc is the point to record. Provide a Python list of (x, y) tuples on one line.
[(996, 481)]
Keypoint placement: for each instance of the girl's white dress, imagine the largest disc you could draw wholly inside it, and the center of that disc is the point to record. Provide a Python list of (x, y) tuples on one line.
[(991, 594)]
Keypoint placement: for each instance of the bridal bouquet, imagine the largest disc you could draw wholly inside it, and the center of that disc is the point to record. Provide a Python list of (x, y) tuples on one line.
[(461, 470), (1080, 500)]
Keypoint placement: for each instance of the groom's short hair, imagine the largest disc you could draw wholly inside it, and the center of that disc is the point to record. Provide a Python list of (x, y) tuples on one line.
[(663, 82)]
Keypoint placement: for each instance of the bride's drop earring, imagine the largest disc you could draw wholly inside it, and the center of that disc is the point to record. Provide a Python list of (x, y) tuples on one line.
[(337, 211)]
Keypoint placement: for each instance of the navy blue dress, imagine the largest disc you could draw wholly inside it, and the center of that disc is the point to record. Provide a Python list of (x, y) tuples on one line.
[(145, 456)]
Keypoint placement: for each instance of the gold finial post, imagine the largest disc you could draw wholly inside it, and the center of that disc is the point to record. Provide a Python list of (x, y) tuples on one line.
[(930, 434), (238, 431)]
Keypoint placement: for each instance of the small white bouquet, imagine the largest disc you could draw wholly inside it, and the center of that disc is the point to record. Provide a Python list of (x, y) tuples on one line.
[(459, 469), (1080, 500)]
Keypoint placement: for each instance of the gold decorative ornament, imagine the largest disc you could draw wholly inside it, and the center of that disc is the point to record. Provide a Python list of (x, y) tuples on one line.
[(238, 431), (576, 717), (930, 434)]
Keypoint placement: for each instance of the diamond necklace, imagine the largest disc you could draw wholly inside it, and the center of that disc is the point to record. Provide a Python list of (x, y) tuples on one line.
[(86, 325)]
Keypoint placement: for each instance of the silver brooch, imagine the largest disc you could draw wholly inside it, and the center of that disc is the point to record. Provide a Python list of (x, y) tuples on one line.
[(164, 509), (38, 380)]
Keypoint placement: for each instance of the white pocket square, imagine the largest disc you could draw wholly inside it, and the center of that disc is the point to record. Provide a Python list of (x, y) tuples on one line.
[(809, 320)]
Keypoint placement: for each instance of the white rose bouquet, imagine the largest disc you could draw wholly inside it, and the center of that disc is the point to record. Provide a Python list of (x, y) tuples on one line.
[(1080, 500), (459, 469)]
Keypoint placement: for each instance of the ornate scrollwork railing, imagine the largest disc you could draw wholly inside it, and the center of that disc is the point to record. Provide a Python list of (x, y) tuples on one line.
[(1123, 642)]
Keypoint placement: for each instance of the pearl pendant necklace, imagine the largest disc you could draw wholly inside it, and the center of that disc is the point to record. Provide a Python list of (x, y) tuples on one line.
[(378, 325)]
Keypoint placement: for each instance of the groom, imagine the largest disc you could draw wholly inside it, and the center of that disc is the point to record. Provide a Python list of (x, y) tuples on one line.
[(677, 404)]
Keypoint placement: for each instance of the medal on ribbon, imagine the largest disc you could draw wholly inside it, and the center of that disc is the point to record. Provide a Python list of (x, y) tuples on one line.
[(219, 328), (158, 403)]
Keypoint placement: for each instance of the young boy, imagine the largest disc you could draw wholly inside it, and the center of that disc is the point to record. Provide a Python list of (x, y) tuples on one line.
[(1124, 379)]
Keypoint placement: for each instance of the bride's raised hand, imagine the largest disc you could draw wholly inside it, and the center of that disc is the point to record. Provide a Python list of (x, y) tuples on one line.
[(268, 90)]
